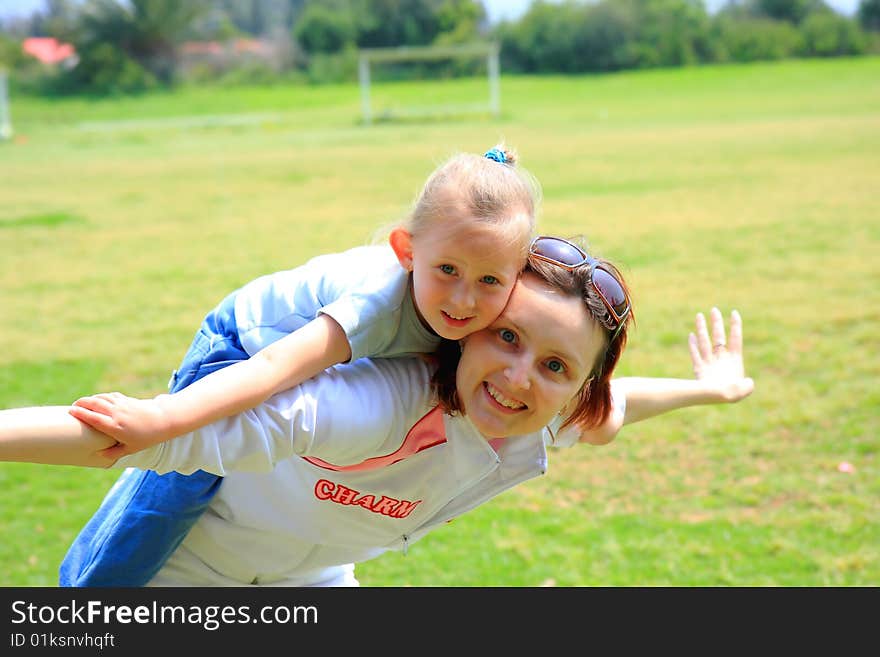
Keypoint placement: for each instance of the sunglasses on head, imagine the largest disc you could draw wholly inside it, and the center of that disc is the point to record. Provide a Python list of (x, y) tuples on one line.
[(563, 253)]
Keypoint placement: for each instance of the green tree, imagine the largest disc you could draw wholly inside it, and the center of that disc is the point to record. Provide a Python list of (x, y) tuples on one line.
[(790, 11), (543, 39), (57, 20), (609, 35), (673, 32), (389, 23), (460, 21), (324, 29), (831, 35), (104, 69), (129, 45), (606, 38), (869, 14), (11, 55), (744, 38), (325, 26), (260, 17)]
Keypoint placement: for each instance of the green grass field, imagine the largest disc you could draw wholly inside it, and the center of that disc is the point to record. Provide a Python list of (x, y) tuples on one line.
[(751, 187)]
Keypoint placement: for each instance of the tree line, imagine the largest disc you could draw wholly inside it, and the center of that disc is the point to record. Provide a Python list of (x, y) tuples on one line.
[(126, 46)]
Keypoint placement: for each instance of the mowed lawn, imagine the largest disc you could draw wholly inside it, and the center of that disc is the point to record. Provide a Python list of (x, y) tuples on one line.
[(750, 187)]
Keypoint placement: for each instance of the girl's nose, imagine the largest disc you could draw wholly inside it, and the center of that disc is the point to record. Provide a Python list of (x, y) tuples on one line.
[(464, 297)]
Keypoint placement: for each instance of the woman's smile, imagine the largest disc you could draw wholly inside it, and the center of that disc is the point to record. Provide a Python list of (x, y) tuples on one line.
[(515, 375), (505, 403)]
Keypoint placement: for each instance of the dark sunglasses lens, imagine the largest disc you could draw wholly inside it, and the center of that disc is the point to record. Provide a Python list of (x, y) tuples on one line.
[(611, 289), (558, 250)]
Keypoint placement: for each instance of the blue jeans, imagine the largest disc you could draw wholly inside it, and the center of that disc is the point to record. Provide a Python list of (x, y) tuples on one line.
[(146, 515)]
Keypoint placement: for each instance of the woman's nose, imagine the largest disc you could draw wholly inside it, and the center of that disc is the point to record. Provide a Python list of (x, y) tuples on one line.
[(518, 374)]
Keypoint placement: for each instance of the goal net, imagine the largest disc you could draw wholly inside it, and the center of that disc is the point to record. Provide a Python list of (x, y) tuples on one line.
[(383, 98), (5, 119)]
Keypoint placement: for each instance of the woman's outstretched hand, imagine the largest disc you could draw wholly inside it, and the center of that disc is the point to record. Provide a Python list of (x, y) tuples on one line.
[(718, 358), (134, 423)]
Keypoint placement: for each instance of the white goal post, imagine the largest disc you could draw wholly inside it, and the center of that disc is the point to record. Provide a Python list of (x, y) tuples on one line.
[(369, 56), (5, 118)]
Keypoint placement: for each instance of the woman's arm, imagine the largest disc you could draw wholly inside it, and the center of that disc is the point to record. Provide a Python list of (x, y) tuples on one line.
[(719, 374), (140, 423), (719, 378), (48, 434)]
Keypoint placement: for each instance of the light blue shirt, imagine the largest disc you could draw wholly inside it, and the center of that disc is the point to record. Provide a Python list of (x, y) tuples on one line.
[(364, 289)]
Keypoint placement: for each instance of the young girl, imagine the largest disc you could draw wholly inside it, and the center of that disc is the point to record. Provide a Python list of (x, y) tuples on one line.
[(449, 272)]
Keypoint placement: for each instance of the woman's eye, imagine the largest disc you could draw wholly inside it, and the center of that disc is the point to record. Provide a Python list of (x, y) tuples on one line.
[(447, 269), (507, 335), (491, 280), (556, 366)]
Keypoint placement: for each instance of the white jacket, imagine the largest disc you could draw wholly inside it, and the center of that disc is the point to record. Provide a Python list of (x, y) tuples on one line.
[(351, 463)]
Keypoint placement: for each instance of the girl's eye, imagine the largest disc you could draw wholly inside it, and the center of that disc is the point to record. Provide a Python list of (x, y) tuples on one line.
[(507, 335), (490, 280), (447, 269), (556, 366)]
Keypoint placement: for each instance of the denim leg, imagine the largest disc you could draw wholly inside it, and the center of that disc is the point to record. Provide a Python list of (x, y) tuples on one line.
[(145, 515)]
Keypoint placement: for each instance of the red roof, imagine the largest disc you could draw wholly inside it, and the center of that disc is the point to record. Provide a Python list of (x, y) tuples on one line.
[(47, 49), (236, 46), (202, 48), (251, 45)]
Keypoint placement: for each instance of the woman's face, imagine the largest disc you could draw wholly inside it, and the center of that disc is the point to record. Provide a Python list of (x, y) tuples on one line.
[(518, 373)]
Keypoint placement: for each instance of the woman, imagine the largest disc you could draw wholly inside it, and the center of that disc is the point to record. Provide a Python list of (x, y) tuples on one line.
[(373, 455)]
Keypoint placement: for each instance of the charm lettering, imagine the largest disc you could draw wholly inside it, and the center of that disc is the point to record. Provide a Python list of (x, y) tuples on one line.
[(383, 505)]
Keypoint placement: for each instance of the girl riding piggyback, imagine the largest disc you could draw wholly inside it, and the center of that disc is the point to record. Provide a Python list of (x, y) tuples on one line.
[(447, 272)]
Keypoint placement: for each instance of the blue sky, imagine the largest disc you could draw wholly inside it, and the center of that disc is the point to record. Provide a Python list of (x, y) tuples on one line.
[(497, 9), (19, 7)]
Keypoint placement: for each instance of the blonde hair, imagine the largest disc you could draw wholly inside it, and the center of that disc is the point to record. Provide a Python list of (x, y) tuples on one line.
[(475, 186)]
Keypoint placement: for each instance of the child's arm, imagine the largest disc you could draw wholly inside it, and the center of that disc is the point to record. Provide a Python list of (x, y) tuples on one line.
[(719, 377), (140, 423), (48, 434)]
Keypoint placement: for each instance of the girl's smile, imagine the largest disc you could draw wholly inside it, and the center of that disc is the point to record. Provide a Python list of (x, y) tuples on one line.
[(463, 272)]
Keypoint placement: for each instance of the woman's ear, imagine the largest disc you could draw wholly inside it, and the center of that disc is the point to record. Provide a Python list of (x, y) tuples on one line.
[(401, 244), (583, 395), (566, 410)]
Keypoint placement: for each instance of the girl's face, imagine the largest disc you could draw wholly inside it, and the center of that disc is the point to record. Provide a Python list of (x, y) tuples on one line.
[(518, 373), (463, 274)]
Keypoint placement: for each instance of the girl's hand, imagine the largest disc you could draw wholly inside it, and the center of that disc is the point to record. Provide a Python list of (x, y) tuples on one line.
[(135, 423), (718, 362)]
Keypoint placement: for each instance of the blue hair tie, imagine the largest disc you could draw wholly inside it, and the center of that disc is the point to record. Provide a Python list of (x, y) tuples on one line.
[(497, 155)]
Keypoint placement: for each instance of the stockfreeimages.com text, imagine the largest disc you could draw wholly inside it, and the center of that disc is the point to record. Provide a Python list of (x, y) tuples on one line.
[(211, 617)]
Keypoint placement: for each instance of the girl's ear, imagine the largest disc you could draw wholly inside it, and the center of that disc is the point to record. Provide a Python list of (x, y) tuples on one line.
[(401, 244)]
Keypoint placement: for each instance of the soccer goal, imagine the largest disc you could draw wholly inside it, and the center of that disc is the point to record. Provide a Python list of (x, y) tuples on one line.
[(368, 58), (5, 118)]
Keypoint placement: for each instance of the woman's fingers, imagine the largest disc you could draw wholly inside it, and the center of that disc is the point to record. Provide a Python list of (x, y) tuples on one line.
[(719, 340), (736, 335), (694, 349), (703, 343)]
